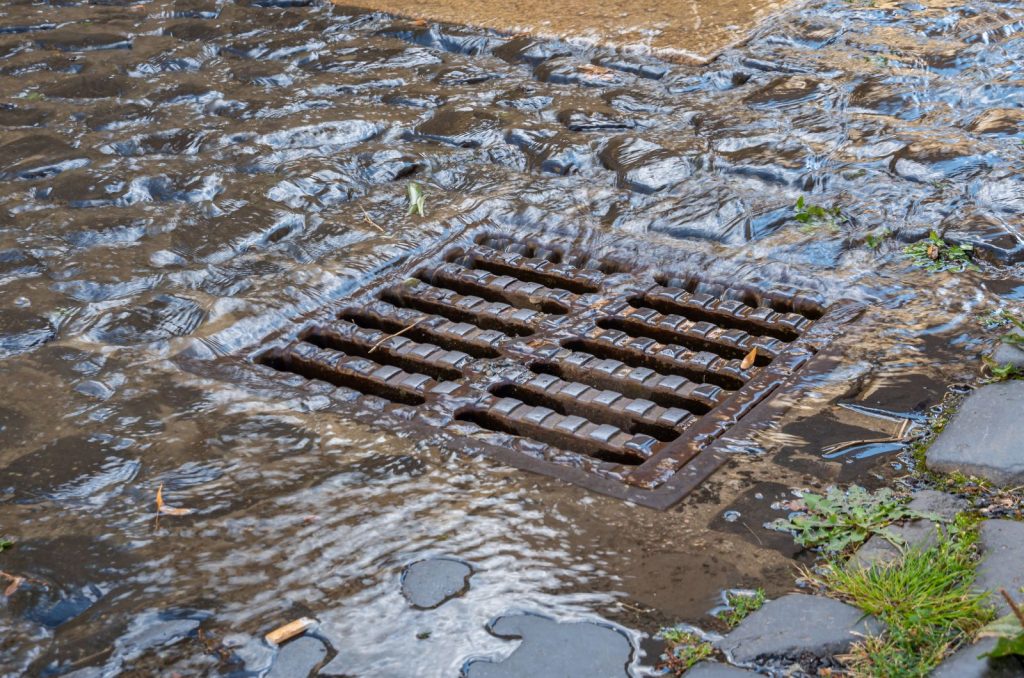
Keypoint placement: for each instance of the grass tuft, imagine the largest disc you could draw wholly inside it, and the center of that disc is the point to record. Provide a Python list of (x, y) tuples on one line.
[(741, 605), (925, 599), (684, 650)]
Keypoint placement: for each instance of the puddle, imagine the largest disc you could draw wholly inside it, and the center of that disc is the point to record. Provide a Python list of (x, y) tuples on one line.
[(189, 176)]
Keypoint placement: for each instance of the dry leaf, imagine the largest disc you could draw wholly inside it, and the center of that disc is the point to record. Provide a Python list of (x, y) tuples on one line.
[(748, 362), (290, 630), (597, 71), (13, 586), (933, 252), (166, 510)]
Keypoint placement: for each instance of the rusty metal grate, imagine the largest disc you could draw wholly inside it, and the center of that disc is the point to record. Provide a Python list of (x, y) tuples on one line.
[(558, 362)]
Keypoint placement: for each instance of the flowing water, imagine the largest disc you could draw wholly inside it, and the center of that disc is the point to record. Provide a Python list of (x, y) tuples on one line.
[(188, 175)]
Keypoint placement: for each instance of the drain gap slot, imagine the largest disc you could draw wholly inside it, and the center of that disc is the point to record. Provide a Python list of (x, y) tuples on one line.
[(331, 375), (454, 313), (720, 319), (662, 397), (634, 358), (324, 338), (623, 421), (459, 285), (492, 422), (526, 274), (749, 295), (420, 332), (667, 336)]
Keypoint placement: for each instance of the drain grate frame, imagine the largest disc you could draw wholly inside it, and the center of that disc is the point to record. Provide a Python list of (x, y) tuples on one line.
[(572, 361)]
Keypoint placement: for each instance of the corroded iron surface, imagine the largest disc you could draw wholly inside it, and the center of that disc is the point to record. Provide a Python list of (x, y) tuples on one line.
[(547, 357)]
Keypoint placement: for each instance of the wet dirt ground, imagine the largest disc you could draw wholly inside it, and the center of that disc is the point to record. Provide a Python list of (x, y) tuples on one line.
[(193, 173), (692, 31)]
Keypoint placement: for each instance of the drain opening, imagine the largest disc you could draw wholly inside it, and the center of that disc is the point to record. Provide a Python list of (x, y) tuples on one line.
[(438, 305), (526, 274), (622, 420), (635, 328), (746, 294), (531, 249), (338, 377), (323, 337), (457, 279), (665, 397), (699, 373), (699, 313), (418, 331), (490, 421)]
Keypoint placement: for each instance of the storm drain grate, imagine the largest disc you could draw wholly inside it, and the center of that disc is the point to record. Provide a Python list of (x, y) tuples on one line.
[(553, 361)]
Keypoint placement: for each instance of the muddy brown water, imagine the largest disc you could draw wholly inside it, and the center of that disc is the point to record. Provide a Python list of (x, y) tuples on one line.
[(693, 31), (193, 173)]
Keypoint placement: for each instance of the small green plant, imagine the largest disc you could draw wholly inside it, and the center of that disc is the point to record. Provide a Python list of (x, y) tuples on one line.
[(935, 254), (741, 605), (5, 544), (1009, 630), (926, 599), (841, 520), (1001, 372), (813, 216), (35, 96), (875, 240), (417, 200), (1014, 338), (684, 650)]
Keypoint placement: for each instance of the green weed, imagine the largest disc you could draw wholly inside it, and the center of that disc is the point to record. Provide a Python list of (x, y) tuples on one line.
[(1014, 338), (417, 200), (935, 254), (684, 650), (1001, 372), (4, 544), (839, 520), (875, 240), (814, 216), (35, 96), (925, 599), (1009, 630), (741, 605)]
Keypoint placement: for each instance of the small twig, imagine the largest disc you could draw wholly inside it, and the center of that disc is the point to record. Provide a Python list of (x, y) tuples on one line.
[(370, 221), (751, 531), (1013, 606), (396, 334)]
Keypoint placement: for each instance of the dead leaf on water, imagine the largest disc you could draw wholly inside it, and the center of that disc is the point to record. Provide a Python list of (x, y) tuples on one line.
[(16, 582), (748, 362), (597, 71), (166, 510), (294, 628)]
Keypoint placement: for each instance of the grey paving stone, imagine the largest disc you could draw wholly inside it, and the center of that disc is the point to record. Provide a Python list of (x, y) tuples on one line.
[(916, 534), (298, 658), (553, 650), (983, 439), (1002, 564), (1008, 353), (797, 626), (429, 583), (717, 670), (965, 664)]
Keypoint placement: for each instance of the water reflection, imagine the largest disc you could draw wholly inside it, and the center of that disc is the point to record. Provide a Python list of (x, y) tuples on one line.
[(188, 175)]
